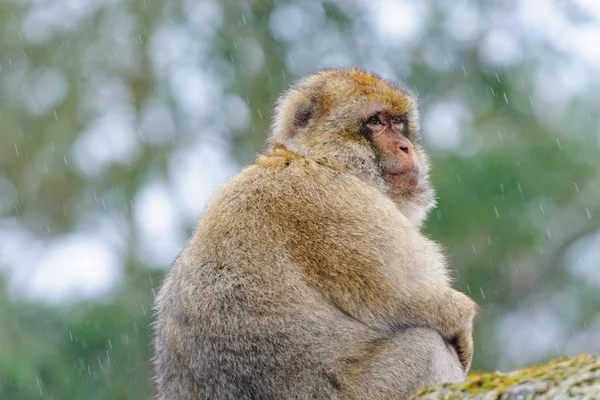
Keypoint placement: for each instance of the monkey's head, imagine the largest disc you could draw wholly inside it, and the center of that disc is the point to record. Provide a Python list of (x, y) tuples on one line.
[(357, 120)]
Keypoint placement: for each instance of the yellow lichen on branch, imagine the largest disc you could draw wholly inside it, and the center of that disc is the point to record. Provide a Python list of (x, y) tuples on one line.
[(561, 378)]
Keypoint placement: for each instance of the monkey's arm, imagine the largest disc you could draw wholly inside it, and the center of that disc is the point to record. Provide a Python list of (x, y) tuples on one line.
[(386, 279), (449, 315)]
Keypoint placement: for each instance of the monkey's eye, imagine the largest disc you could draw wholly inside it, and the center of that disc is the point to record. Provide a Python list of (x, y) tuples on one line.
[(400, 124), (398, 121), (374, 120)]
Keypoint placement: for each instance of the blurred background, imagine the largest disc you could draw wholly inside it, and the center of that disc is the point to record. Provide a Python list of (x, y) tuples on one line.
[(119, 118)]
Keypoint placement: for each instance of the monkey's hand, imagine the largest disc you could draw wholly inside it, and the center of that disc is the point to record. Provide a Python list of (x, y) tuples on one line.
[(457, 326), (463, 345)]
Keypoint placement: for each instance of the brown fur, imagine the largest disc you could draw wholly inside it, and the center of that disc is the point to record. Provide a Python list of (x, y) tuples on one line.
[(307, 277)]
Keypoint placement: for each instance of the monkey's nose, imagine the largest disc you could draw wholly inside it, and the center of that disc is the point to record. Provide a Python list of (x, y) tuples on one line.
[(404, 148)]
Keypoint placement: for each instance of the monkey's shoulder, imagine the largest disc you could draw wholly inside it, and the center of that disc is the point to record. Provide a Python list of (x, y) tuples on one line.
[(287, 180)]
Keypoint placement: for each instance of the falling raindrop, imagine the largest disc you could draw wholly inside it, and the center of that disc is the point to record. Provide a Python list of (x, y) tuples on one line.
[(39, 385)]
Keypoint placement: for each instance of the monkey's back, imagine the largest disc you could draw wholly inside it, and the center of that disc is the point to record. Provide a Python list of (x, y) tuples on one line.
[(242, 315)]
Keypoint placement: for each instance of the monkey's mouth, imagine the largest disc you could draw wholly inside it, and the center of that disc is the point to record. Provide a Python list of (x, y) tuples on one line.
[(406, 180)]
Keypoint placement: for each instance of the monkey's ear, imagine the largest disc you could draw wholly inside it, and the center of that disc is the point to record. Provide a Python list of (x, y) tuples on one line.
[(294, 111), (303, 114)]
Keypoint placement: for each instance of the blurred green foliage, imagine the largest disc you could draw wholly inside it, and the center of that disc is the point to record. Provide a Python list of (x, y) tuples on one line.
[(517, 192)]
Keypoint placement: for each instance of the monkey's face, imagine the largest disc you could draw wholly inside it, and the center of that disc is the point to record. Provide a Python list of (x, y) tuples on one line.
[(398, 161)]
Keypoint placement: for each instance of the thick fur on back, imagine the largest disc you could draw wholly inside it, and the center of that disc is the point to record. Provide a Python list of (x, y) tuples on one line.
[(304, 278)]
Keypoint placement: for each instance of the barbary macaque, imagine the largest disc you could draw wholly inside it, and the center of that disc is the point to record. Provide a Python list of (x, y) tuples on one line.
[(308, 276)]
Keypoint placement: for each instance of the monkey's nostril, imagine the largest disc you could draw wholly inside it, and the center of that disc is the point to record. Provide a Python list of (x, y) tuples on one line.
[(404, 149)]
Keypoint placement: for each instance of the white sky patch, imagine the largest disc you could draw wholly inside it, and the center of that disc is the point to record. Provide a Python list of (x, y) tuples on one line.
[(591, 6), (252, 55), (105, 95), (158, 223), (500, 48), (553, 89), (47, 18), (109, 139), (197, 172), (172, 46), (463, 21), (396, 22), (78, 266), (542, 16), (544, 19), (156, 125), (437, 56), (18, 248), (205, 16), (47, 88), (238, 114), (196, 91), (289, 22), (583, 259), (584, 41), (536, 330), (442, 124), (112, 225), (526, 336), (584, 340)]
